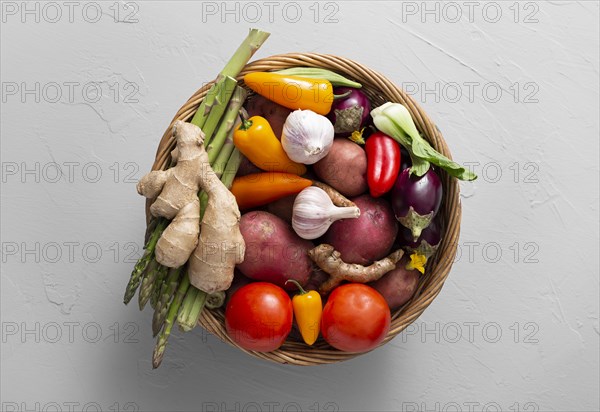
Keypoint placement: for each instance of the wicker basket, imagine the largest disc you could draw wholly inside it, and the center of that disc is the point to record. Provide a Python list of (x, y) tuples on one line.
[(379, 89)]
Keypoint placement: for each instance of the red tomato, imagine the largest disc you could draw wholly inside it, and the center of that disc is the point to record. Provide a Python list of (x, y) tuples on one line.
[(259, 316), (356, 318)]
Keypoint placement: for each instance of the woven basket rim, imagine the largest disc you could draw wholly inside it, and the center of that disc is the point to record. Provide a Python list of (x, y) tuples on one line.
[(379, 88)]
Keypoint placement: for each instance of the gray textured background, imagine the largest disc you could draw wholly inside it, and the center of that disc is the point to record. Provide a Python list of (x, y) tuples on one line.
[(512, 85)]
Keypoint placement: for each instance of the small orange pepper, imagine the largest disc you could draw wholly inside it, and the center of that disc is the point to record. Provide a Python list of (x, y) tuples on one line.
[(308, 309), (257, 141), (259, 189), (293, 92)]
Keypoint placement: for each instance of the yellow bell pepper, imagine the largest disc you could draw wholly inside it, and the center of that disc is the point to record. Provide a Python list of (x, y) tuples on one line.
[(308, 309), (256, 140)]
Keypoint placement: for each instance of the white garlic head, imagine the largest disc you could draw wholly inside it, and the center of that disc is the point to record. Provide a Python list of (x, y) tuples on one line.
[(307, 136), (314, 212)]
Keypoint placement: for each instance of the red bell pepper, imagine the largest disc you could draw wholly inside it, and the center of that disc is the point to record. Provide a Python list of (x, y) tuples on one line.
[(383, 163)]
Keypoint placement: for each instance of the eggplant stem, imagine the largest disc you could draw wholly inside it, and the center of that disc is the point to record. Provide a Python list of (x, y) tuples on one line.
[(341, 96)]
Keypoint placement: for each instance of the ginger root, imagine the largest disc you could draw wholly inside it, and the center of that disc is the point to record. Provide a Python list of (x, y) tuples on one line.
[(329, 260), (213, 251), (221, 245), (336, 197), (180, 238), (176, 193)]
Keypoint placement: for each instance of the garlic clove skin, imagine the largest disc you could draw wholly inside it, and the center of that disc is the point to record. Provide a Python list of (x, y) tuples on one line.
[(314, 212), (307, 136)]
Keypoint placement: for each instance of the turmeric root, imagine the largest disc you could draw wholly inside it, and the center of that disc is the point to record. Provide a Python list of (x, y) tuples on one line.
[(329, 260), (176, 192)]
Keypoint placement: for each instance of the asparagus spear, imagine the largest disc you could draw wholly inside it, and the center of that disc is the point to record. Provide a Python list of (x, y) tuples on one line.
[(186, 306), (191, 309), (166, 296), (223, 92), (226, 128), (235, 65), (215, 300), (156, 273), (161, 343), (157, 285), (142, 264), (244, 53)]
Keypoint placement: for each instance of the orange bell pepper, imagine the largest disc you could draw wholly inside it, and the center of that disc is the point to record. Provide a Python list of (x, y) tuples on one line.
[(258, 189), (257, 141), (293, 92)]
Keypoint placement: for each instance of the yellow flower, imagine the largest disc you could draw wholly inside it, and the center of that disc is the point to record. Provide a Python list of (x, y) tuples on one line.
[(417, 261), (356, 136)]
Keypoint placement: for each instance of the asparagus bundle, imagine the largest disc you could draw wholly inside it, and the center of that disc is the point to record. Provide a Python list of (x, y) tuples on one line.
[(168, 289)]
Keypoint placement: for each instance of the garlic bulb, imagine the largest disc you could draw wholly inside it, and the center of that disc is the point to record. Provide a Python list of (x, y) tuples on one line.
[(307, 136), (314, 212)]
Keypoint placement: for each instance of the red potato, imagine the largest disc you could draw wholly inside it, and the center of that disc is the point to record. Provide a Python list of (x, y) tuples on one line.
[(367, 238), (275, 114), (344, 168), (398, 285), (283, 207), (274, 252)]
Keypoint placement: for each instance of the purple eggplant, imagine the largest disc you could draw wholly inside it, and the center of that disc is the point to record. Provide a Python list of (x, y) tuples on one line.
[(426, 244), (405, 160), (350, 112), (416, 200)]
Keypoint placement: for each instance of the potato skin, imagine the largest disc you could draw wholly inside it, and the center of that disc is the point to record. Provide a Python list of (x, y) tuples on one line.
[(398, 285), (344, 168), (275, 114), (367, 238), (274, 253)]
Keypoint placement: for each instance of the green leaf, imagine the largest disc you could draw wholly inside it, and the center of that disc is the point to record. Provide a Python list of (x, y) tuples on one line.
[(419, 166), (451, 167)]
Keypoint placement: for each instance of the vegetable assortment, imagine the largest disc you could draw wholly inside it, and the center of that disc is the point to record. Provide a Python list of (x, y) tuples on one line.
[(337, 200)]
